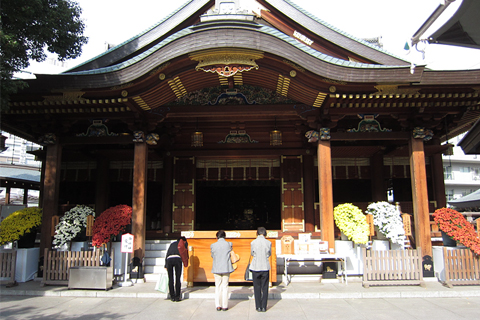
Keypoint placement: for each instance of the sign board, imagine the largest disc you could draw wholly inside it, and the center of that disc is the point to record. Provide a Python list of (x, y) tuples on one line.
[(127, 243)]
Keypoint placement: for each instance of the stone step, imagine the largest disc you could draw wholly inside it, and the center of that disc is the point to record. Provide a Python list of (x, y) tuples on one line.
[(154, 261), (157, 244), (155, 253), (154, 269)]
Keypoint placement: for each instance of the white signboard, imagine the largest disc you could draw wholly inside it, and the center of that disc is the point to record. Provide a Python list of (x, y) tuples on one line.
[(127, 243)]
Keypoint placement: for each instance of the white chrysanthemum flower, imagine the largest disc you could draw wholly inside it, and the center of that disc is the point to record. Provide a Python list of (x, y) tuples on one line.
[(388, 220), (71, 224)]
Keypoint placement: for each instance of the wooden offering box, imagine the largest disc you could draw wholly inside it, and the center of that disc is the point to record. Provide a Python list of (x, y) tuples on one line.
[(200, 260)]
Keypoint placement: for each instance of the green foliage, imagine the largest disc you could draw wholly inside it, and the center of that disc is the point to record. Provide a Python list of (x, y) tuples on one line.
[(352, 222), (28, 27), (18, 223)]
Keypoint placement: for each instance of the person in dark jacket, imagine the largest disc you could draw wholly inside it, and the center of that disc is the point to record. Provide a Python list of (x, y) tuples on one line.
[(261, 250), (173, 262)]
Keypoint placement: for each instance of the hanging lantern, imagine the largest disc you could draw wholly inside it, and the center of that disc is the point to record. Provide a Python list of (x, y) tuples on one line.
[(448, 151), (275, 136), (197, 139)]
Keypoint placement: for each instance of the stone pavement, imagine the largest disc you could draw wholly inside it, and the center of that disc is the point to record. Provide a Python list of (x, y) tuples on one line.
[(328, 299), (325, 289)]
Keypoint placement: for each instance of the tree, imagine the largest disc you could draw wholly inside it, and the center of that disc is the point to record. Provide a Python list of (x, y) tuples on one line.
[(28, 28)]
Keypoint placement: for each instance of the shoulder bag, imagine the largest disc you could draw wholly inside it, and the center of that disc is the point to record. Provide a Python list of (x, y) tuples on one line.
[(248, 273)]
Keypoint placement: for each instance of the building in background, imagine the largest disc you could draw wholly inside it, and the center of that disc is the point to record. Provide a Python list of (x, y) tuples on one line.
[(19, 172), (461, 172)]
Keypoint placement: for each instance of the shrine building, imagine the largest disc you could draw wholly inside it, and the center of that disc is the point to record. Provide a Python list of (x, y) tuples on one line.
[(225, 117)]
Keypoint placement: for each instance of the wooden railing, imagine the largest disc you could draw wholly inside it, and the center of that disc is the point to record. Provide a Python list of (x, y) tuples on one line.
[(8, 263), (58, 263), (462, 267), (392, 267)]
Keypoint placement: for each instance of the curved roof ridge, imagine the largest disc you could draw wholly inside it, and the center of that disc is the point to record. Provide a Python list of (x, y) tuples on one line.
[(336, 30), (263, 29), (138, 36)]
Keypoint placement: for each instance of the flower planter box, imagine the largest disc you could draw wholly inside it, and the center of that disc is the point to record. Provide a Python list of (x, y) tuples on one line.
[(381, 245), (27, 264), (354, 262)]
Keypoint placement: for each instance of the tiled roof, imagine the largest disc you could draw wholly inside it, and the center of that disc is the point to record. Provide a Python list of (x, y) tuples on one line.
[(263, 29), (20, 173)]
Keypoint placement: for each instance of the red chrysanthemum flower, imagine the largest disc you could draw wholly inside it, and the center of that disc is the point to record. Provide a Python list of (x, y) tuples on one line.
[(110, 223)]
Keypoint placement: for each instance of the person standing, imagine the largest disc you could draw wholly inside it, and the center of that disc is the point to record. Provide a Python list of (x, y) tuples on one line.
[(173, 264), (261, 250), (221, 269)]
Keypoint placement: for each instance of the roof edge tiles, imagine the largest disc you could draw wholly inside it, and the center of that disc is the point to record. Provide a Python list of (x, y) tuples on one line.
[(314, 24), (263, 29), (143, 38)]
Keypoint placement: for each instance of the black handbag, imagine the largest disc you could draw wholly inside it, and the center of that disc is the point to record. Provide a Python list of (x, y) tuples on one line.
[(248, 274)]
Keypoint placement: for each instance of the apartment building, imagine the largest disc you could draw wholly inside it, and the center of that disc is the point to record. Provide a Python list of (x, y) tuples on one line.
[(18, 166), (461, 172)]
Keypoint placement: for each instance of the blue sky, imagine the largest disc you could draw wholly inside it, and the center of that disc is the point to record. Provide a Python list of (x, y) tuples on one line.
[(115, 21)]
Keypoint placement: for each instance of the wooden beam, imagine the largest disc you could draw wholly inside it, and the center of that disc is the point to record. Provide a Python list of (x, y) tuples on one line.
[(356, 136)]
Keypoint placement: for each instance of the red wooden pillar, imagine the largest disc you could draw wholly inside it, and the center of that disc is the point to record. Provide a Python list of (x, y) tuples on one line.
[(325, 189), (438, 179), (309, 193), (51, 187), (139, 203), (420, 196)]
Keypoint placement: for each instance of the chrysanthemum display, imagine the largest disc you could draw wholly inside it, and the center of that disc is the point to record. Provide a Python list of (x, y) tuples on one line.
[(352, 222), (71, 224), (388, 220), (110, 223), (19, 223), (454, 224)]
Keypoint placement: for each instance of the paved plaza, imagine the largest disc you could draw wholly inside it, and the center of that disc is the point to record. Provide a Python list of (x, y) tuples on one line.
[(298, 300)]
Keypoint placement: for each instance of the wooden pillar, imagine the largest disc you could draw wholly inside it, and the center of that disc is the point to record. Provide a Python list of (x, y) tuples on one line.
[(308, 193), (8, 191), (51, 188), (438, 179), (421, 212), (139, 204), (325, 191), (102, 185), (378, 178), (167, 201), (25, 197)]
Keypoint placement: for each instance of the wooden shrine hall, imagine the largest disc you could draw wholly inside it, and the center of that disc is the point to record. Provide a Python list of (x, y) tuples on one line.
[(229, 117)]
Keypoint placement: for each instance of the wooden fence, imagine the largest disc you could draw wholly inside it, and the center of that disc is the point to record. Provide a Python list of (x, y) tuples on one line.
[(8, 263), (392, 267), (57, 264), (462, 267)]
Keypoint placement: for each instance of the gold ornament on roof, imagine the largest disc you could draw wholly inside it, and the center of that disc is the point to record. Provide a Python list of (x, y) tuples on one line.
[(226, 63)]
